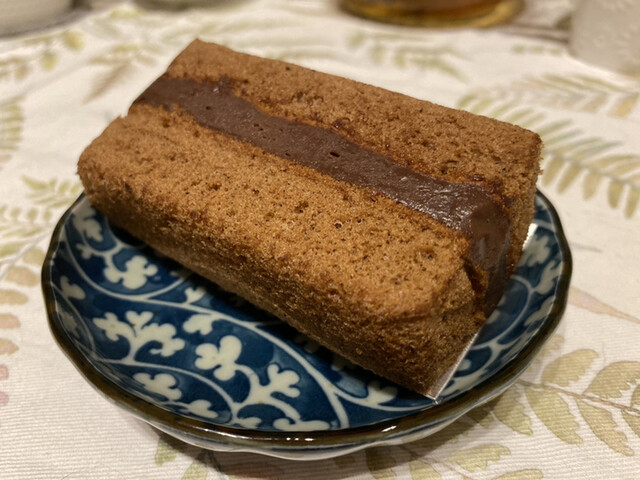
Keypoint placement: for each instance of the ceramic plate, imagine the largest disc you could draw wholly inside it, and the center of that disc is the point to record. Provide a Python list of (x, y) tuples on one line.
[(212, 370)]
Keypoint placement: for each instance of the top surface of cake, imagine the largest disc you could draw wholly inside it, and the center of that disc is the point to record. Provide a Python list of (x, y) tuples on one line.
[(350, 255)]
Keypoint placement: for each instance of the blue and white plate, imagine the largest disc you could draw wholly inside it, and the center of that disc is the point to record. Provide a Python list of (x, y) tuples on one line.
[(214, 371)]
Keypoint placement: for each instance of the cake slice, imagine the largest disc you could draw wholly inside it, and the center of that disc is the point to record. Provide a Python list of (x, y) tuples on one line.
[(382, 226)]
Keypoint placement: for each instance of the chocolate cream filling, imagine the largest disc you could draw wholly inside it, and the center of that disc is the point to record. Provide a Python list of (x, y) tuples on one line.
[(463, 206)]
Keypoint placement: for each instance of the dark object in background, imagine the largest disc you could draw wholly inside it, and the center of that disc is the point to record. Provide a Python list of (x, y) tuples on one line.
[(436, 13)]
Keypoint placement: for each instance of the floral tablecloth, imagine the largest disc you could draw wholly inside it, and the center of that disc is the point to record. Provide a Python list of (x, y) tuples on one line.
[(575, 413)]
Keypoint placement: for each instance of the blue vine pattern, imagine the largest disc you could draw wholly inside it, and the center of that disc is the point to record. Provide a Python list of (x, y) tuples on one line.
[(180, 343)]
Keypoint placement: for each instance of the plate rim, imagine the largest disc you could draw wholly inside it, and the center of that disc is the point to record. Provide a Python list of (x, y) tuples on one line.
[(269, 442)]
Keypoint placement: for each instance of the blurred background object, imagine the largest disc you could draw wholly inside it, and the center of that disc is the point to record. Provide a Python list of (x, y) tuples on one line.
[(436, 13), (20, 15), (607, 33)]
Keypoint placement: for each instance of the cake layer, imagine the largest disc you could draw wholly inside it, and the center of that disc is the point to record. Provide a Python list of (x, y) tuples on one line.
[(386, 283)]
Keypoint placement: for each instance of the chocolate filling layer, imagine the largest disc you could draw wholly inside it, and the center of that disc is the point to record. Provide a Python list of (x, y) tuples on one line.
[(462, 206)]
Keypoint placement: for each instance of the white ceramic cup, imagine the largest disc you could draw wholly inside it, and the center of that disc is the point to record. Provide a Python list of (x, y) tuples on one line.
[(607, 33), (20, 15)]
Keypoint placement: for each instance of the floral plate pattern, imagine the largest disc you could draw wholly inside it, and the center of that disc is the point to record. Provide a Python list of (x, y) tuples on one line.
[(214, 371)]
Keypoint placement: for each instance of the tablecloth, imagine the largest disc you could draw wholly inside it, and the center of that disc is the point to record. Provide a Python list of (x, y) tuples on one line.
[(575, 413)]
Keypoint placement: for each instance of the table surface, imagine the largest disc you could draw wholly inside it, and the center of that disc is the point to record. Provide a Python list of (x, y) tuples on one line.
[(575, 413)]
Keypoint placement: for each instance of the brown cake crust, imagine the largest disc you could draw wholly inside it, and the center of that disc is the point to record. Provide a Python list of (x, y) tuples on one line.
[(380, 283)]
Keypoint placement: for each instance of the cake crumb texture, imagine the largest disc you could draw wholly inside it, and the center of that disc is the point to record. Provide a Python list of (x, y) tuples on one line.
[(382, 284)]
